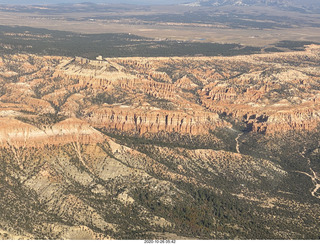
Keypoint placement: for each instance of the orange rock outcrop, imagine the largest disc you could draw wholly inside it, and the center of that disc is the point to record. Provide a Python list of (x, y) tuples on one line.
[(271, 93), (154, 121), (14, 133)]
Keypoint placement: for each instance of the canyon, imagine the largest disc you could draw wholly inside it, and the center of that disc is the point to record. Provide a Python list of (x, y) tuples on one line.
[(160, 147), (270, 93)]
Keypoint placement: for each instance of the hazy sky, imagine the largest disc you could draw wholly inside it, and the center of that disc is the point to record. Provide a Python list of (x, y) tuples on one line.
[(94, 1), (121, 1)]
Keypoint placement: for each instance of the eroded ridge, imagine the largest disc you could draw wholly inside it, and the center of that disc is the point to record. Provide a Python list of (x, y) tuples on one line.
[(159, 148), (270, 93)]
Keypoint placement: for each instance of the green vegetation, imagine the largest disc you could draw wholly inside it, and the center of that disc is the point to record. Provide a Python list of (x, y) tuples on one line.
[(294, 45), (272, 49), (47, 42), (164, 139), (102, 98), (207, 211), (43, 120)]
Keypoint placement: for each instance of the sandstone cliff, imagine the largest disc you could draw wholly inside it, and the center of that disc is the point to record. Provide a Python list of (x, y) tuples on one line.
[(14, 133), (271, 93), (128, 119)]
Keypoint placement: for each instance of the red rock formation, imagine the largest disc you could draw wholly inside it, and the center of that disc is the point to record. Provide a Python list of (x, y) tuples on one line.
[(126, 119), (185, 83), (18, 134), (136, 94)]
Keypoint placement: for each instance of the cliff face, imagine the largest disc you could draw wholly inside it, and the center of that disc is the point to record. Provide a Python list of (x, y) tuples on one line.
[(273, 99), (14, 133), (271, 93), (153, 121)]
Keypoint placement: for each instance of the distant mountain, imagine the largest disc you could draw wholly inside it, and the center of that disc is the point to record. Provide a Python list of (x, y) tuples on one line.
[(293, 5), (142, 2), (300, 5)]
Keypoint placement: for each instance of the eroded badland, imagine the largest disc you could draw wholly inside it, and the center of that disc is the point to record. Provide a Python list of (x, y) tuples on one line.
[(192, 147)]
